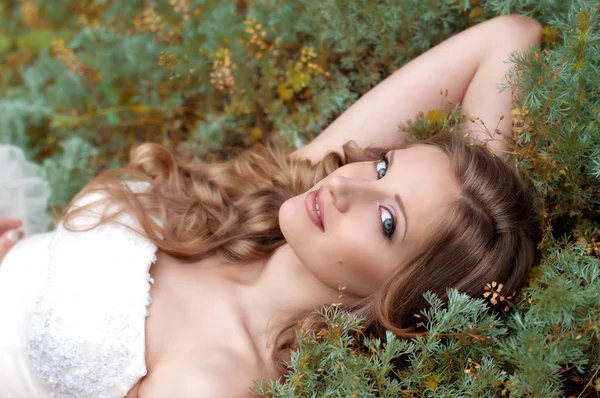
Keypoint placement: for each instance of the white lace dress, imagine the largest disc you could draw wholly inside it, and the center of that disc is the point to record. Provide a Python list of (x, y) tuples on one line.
[(72, 311)]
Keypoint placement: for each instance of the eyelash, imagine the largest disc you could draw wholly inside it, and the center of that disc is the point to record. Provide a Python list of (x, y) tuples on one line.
[(389, 235)]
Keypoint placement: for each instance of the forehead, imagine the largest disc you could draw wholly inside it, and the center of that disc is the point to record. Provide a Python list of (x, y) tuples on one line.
[(422, 175), (424, 155)]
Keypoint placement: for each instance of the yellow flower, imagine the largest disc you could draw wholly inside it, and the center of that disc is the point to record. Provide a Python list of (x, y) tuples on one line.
[(285, 91), (432, 381), (436, 116), (256, 133)]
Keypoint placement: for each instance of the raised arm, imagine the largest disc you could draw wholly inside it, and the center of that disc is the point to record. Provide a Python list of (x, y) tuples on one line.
[(469, 65)]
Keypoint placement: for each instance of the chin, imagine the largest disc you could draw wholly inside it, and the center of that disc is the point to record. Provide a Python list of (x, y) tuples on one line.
[(286, 219), (292, 223)]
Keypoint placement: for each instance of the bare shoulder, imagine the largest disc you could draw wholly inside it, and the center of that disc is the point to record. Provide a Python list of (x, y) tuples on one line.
[(224, 379)]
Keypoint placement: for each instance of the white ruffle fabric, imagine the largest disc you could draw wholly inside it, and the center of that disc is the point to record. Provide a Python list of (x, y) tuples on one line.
[(73, 307), (23, 194)]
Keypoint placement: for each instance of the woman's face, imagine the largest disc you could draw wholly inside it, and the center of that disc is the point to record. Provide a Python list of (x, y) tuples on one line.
[(371, 217)]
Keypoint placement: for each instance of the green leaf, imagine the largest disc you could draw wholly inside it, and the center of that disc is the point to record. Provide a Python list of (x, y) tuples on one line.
[(111, 93), (5, 43), (113, 118), (38, 39), (61, 120)]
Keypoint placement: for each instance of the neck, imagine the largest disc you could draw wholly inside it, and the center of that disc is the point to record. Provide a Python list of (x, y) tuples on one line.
[(283, 288)]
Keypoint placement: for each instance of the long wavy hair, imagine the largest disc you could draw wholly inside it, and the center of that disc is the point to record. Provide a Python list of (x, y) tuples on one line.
[(230, 209)]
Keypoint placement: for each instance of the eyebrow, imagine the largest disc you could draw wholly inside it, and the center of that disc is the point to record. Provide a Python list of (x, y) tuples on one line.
[(399, 201)]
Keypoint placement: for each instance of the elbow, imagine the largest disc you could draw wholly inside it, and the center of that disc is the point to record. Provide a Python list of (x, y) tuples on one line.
[(519, 27), (532, 29)]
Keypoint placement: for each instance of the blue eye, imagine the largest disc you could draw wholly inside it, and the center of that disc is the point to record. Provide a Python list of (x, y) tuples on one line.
[(388, 224), (381, 169)]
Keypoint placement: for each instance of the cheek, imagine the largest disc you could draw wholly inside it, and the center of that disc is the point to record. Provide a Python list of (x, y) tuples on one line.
[(347, 255), (351, 247), (356, 261)]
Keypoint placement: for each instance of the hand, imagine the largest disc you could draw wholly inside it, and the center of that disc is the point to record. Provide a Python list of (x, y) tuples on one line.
[(9, 235)]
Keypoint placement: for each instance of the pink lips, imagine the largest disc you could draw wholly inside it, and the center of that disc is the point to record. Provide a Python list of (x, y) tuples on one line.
[(311, 209)]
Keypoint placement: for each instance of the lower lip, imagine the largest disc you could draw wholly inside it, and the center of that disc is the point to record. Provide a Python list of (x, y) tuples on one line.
[(311, 209)]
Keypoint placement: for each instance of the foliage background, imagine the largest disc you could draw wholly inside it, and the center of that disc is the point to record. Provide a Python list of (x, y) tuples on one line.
[(82, 80)]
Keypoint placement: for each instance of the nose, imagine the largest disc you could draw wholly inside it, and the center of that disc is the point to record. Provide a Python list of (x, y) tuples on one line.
[(345, 191)]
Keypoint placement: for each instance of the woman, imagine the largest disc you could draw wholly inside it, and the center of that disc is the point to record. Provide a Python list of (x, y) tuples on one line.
[(197, 285)]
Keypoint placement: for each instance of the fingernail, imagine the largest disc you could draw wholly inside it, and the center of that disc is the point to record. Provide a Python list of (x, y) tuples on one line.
[(13, 235)]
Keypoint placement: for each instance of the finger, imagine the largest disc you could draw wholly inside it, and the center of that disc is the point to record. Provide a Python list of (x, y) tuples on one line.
[(8, 240), (9, 223)]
